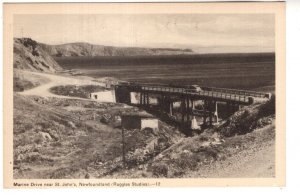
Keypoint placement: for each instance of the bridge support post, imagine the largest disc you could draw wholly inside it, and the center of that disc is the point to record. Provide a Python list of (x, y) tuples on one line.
[(216, 112), (230, 108), (141, 98), (204, 113), (162, 103), (147, 99), (210, 105), (182, 110), (187, 109), (144, 99), (237, 107), (171, 108), (234, 107)]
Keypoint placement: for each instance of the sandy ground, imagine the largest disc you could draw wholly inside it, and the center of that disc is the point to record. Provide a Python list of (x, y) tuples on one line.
[(56, 80)]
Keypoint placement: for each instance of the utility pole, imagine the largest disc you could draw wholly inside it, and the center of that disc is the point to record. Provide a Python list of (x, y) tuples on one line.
[(123, 148)]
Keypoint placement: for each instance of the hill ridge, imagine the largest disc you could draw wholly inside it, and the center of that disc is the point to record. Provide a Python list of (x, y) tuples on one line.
[(92, 50)]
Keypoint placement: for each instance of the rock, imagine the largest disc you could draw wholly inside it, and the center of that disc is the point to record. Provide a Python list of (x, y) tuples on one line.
[(20, 157), (53, 134), (72, 125), (186, 151), (206, 144), (105, 118), (146, 152), (160, 156), (46, 136), (140, 167), (215, 135)]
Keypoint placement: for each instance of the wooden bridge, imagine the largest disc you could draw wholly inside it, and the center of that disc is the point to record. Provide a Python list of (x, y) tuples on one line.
[(187, 96)]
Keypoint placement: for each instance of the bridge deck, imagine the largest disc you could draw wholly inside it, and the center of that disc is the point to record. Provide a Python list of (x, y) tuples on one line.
[(200, 94), (218, 94)]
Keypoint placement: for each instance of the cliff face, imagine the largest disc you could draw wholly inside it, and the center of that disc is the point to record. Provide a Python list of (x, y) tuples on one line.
[(86, 49), (29, 55)]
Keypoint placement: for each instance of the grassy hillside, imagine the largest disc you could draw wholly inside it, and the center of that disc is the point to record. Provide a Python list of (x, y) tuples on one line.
[(65, 138), (29, 55), (242, 147)]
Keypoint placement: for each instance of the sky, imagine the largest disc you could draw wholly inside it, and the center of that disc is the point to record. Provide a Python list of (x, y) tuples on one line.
[(204, 33)]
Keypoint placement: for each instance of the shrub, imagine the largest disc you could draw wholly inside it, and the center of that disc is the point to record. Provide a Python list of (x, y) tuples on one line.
[(76, 91), (22, 140), (160, 170), (186, 162), (21, 85), (56, 144), (38, 139), (268, 108)]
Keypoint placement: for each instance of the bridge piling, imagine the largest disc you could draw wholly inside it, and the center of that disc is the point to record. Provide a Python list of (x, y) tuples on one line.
[(147, 100), (210, 103), (167, 95), (171, 108), (187, 109), (141, 98), (204, 113), (182, 110), (193, 104), (162, 105), (216, 113), (144, 99)]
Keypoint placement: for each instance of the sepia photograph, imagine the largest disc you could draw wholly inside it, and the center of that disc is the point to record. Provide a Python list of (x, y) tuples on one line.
[(142, 94)]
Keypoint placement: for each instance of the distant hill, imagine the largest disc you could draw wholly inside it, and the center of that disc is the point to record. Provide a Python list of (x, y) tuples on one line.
[(34, 56), (29, 55), (86, 49)]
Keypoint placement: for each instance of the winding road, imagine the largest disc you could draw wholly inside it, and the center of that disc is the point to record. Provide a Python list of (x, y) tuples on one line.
[(43, 90)]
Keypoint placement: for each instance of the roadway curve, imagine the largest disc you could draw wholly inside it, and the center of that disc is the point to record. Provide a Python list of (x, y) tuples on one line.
[(43, 90)]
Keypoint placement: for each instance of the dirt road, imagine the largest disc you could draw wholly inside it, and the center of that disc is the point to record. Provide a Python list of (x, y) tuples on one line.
[(43, 90)]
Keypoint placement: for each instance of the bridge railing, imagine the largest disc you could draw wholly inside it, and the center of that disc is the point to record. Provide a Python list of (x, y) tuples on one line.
[(168, 88), (221, 93), (163, 89), (239, 92), (213, 94), (227, 96)]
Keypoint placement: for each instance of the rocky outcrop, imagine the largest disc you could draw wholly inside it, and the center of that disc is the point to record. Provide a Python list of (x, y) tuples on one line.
[(29, 55)]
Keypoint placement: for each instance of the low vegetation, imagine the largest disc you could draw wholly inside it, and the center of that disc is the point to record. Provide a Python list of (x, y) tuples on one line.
[(71, 138), (76, 91), (66, 139), (249, 118), (246, 132), (25, 80), (21, 85)]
